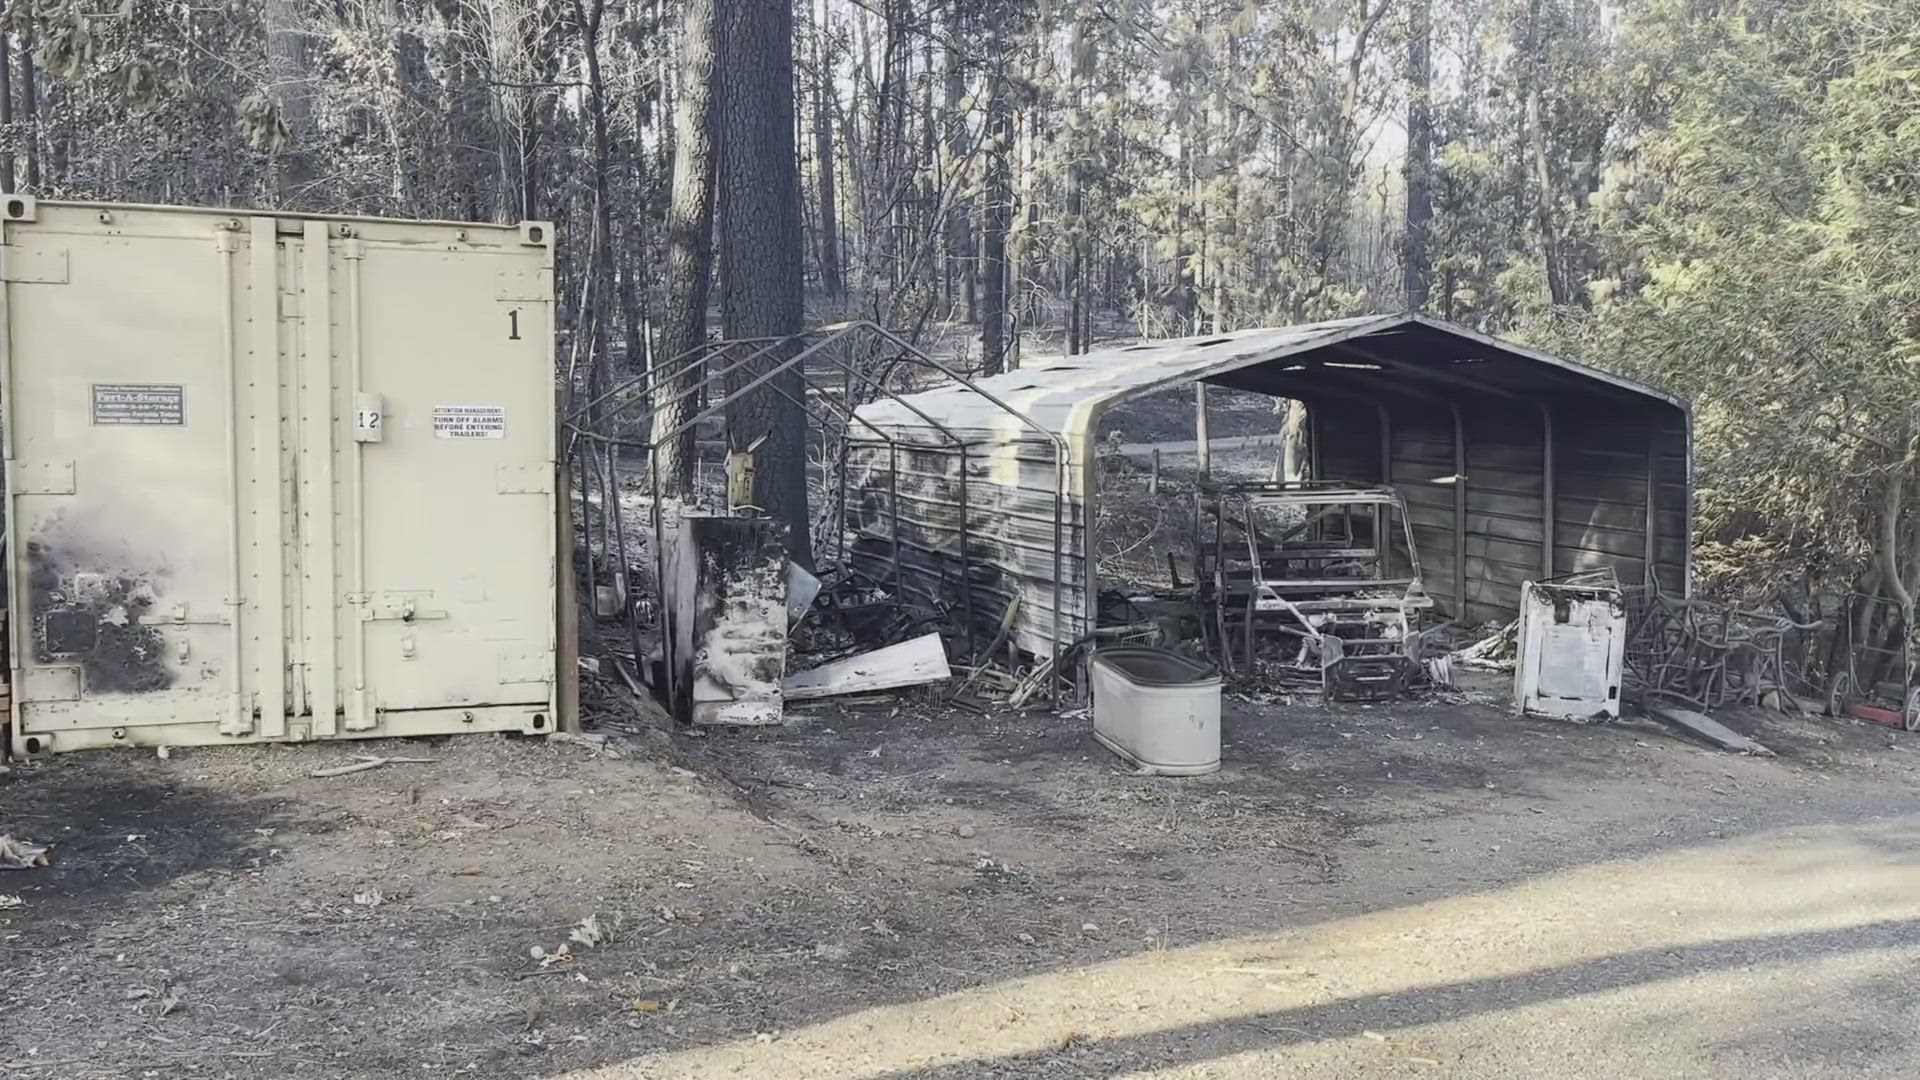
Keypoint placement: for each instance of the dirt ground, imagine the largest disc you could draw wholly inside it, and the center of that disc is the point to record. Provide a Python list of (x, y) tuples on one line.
[(222, 913)]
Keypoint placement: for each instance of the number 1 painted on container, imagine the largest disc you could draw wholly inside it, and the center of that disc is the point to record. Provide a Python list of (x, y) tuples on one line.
[(513, 317)]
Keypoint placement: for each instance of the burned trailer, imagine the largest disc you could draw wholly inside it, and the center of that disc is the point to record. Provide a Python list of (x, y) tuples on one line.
[(1513, 465), (1330, 569)]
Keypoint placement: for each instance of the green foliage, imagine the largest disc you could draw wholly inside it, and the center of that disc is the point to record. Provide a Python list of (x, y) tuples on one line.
[(1766, 263)]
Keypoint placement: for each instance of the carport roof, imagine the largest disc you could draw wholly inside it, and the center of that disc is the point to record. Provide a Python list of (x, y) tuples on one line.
[(1371, 356)]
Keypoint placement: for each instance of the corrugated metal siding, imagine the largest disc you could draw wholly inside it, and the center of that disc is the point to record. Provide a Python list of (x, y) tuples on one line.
[(1602, 515), (1600, 480), (1505, 516)]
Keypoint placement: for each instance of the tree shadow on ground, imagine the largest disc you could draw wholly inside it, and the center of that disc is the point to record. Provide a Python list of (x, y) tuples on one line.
[(1402, 1009)]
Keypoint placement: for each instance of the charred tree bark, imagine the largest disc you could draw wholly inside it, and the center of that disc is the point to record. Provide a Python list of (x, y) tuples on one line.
[(468, 134), (536, 106), (997, 213), (587, 16), (960, 261), (689, 243), (761, 250), (1887, 550)]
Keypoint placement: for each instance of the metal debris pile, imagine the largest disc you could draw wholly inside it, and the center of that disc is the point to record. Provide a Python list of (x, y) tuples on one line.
[(1705, 654), (716, 621)]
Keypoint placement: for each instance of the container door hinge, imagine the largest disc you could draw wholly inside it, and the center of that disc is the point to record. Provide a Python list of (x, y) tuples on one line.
[(396, 607), (535, 667), (180, 615), (525, 479), (53, 683), (238, 719), (524, 286), (361, 714)]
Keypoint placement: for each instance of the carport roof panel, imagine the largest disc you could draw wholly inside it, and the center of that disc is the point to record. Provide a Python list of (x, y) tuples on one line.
[(1063, 393)]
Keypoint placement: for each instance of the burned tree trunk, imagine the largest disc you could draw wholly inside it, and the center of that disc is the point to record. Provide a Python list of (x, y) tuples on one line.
[(1544, 222), (689, 245), (960, 260), (831, 278), (996, 215), (761, 249)]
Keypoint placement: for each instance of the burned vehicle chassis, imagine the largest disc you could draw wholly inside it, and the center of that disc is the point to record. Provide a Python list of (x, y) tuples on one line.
[(1315, 563)]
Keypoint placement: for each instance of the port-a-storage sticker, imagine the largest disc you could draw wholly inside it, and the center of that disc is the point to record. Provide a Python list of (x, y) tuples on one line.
[(139, 403), (470, 421)]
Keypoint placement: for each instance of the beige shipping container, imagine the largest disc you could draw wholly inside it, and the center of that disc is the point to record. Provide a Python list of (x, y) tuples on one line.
[(273, 477)]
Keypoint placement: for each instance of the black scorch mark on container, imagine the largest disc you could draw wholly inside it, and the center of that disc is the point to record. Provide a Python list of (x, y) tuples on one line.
[(92, 617)]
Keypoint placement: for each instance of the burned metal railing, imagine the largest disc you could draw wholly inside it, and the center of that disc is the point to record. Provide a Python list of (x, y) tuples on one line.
[(1706, 654)]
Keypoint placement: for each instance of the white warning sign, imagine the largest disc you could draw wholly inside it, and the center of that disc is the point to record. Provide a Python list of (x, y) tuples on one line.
[(470, 421)]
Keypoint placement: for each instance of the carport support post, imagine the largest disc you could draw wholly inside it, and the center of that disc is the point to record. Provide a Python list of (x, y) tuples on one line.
[(1201, 448), (1653, 498), (1382, 516), (1459, 515), (1548, 508)]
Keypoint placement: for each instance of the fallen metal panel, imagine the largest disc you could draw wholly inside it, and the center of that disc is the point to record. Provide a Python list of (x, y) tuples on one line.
[(1706, 727), (1572, 642), (910, 663)]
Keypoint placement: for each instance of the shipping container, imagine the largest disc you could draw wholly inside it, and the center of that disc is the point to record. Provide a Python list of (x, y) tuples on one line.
[(275, 477)]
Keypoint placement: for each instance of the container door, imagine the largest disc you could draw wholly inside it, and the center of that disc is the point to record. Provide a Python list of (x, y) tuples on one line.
[(431, 601), (130, 438)]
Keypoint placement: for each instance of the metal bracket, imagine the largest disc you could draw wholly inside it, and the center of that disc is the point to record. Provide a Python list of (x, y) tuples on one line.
[(526, 479), (237, 720), (526, 668), (178, 615), (34, 266), (58, 683), (524, 286), (391, 606), (42, 477)]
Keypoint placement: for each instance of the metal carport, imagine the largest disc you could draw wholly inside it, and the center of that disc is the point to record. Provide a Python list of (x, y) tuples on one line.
[(1515, 465)]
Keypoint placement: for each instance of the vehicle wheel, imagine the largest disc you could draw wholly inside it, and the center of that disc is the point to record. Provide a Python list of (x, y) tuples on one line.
[(1839, 693), (1911, 714)]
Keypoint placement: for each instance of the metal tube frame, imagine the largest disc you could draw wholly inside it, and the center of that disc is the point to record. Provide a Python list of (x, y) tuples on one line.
[(826, 335), (1459, 513)]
